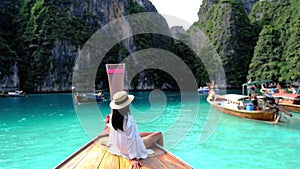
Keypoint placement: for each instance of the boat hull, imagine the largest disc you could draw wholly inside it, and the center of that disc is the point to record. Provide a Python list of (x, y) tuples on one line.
[(88, 98), (16, 95), (82, 99), (267, 115), (290, 107), (13, 94), (288, 101)]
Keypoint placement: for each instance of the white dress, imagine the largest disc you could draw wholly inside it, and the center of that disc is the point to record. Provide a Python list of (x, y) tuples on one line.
[(127, 143)]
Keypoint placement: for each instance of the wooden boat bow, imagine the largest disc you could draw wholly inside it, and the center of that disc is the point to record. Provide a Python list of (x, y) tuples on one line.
[(96, 155)]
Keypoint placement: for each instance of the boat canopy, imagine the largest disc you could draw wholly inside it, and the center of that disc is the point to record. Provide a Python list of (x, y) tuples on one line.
[(297, 83), (257, 82), (234, 97), (254, 83)]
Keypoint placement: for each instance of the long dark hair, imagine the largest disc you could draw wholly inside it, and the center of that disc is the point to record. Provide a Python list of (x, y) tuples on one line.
[(117, 120)]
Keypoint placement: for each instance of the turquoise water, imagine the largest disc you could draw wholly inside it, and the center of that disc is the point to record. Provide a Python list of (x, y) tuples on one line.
[(39, 131)]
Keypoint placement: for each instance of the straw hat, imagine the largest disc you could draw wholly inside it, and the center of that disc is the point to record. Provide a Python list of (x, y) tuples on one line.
[(120, 100)]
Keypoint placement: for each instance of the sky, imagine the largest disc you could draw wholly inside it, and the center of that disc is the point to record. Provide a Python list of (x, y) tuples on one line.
[(186, 10)]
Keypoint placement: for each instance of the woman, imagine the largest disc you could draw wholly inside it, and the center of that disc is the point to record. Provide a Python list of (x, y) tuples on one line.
[(124, 137)]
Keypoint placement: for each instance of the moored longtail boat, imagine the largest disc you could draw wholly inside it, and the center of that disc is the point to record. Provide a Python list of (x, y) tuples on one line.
[(235, 105), (288, 101), (81, 98)]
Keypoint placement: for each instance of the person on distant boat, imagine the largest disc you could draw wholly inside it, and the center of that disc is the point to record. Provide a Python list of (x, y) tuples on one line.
[(261, 103), (253, 91), (292, 89), (263, 89), (279, 89), (211, 95), (76, 98), (249, 87), (124, 137), (254, 98), (213, 85)]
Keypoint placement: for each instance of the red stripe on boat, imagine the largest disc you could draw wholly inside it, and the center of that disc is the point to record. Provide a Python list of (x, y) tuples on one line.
[(115, 71), (286, 95)]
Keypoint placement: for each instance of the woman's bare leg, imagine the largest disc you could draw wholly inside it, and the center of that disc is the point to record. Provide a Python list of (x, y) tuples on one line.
[(152, 137), (144, 134)]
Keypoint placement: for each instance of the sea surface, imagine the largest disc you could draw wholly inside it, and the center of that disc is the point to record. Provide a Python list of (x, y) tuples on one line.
[(41, 130)]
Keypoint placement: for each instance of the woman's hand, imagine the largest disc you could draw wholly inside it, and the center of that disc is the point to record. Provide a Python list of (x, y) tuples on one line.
[(135, 164)]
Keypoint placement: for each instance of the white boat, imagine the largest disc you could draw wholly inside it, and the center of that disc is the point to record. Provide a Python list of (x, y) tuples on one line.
[(89, 97), (18, 93), (204, 89)]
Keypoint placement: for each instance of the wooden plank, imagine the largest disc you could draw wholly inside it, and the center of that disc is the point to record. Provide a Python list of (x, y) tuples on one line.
[(109, 161), (93, 158), (157, 151), (153, 163), (78, 156), (124, 163), (172, 162), (168, 159)]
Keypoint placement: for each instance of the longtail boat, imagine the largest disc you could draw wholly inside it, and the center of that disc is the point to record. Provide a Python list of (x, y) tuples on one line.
[(82, 97), (17, 93), (288, 101), (236, 105), (96, 155)]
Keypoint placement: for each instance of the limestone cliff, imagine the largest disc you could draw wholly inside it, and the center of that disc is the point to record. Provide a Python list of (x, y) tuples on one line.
[(51, 34), (248, 4), (177, 31), (226, 24)]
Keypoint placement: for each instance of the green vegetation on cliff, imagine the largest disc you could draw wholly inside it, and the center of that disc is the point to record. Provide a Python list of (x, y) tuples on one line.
[(42, 38), (277, 53), (29, 31), (227, 26), (45, 36), (263, 45), (43, 23), (8, 55)]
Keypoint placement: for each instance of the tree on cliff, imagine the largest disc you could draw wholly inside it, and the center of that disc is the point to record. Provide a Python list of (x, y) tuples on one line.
[(277, 53), (226, 24)]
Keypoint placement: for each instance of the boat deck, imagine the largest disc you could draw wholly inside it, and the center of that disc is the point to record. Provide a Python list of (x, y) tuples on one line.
[(96, 155)]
